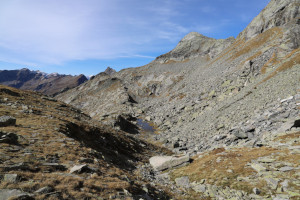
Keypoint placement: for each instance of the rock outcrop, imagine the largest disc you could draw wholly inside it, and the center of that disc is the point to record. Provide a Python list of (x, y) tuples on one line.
[(277, 13)]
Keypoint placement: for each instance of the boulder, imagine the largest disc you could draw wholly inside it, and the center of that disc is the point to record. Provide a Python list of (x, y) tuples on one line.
[(81, 169), (9, 138), (240, 134), (7, 121), (256, 191), (160, 163), (14, 194), (258, 167), (183, 182), (272, 183), (286, 168), (44, 190), (11, 178)]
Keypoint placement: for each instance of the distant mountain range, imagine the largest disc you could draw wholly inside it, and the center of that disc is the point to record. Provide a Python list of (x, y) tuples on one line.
[(49, 84)]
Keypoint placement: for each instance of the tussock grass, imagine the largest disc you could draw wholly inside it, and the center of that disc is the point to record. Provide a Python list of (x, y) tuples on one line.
[(214, 166)]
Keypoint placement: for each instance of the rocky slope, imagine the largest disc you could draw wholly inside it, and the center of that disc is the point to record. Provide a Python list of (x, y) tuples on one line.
[(49, 84), (49, 150), (236, 95)]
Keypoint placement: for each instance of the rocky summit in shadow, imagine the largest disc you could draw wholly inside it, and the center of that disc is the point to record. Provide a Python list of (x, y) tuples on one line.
[(49, 84)]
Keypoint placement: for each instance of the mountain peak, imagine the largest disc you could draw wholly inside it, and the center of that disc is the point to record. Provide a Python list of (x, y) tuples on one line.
[(193, 45), (110, 71), (192, 35)]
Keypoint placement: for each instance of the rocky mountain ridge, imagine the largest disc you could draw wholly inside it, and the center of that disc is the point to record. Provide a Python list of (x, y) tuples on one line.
[(50, 84)]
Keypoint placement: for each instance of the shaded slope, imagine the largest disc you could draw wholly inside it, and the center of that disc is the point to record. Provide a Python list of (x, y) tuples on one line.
[(50, 84), (52, 138)]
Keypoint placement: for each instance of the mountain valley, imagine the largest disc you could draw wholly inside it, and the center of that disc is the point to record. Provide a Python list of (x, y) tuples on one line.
[(211, 119)]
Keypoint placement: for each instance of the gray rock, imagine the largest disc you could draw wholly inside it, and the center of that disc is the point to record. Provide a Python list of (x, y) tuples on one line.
[(266, 160), (277, 13), (160, 163), (240, 134), (200, 188), (9, 138), (256, 191), (81, 169), (7, 121), (258, 167), (11, 178), (15, 167), (183, 182), (44, 190), (54, 167), (286, 168), (272, 183), (14, 194)]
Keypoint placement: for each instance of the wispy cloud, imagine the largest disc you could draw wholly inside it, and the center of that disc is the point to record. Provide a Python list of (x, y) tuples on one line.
[(54, 32)]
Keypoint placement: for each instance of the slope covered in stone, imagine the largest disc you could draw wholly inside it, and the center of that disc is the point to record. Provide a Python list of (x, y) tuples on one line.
[(49, 150)]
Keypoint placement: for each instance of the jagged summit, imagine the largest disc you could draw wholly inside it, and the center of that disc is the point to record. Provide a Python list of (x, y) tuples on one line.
[(192, 35), (193, 45), (110, 71)]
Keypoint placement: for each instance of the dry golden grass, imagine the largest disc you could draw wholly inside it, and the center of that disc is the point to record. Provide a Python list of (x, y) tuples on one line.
[(271, 61), (55, 130), (258, 41), (207, 167), (177, 97), (228, 51), (285, 138)]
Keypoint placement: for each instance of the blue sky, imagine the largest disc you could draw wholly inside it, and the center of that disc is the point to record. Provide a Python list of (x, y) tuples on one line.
[(86, 36)]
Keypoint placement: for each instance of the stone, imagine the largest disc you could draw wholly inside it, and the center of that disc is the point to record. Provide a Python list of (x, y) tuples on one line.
[(86, 160), (239, 134), (256, 191), (266, 160), (15, 194), (9, 138), (200, 188), (160, 163), (11, 178), (44, 190), (287, 99), (15, 167), (219, 137), (183, 182), (7, 121), (272, 183), (81, 169), (148, 118), (54, 167), (286, 168), (258, 167)]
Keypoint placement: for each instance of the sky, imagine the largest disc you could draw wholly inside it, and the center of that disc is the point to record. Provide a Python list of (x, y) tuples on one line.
[(86, 36)]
